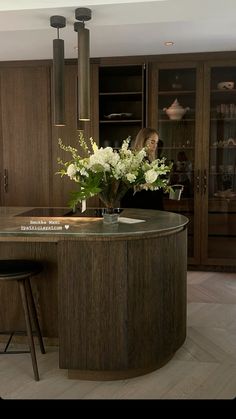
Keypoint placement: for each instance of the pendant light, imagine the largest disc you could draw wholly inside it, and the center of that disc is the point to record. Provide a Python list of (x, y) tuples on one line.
[(58, 72), (83, 14)]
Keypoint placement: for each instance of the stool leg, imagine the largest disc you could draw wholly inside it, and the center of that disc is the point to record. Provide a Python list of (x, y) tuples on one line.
[(9, 341), (34, 314), (28, 327)]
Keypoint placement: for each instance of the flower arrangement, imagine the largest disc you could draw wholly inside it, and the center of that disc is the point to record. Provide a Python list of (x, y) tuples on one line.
[(110, 173)]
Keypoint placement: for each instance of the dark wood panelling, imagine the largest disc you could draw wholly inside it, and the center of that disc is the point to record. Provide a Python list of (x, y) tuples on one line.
[(122, 305), (92, 305), (1, 159), (156, 299), (25, 104)]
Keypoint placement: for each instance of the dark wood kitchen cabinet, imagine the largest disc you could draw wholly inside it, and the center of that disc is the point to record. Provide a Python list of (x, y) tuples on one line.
[(201, 143), (28, 140), (25, 135)]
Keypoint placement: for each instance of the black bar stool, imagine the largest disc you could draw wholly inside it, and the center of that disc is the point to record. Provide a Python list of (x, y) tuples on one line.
[(21, 270)]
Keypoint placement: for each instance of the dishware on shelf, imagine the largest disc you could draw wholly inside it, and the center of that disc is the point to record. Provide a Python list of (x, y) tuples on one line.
[(176, 111), (225, 85), (231, 142), (224, 110), (121, 115), (176, 85)]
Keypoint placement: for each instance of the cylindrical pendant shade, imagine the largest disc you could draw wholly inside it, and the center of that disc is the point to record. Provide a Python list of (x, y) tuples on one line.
[(83, 75), (58, 82)]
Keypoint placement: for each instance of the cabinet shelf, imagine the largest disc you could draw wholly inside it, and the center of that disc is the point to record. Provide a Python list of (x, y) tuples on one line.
[(223, 119), (120, 94), (121, 121), (172, 121), (223, 148), (226, 235), (176, 92), (220, 212), (221, 174), (178, 148), (230, 91)]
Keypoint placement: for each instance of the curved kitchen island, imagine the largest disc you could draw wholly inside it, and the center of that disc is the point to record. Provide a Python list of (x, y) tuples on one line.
[(121, 290)]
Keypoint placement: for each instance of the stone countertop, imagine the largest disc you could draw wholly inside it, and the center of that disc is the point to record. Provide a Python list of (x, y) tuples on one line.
[(15, 227)]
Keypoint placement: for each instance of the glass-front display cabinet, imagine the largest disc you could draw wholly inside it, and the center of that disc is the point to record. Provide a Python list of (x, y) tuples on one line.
[(219, 209), (193, 107), (175, 111)]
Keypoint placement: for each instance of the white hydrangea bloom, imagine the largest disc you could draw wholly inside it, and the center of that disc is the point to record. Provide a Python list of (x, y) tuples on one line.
[(150, 176), (130, 177), (71, 170), (103, 159), (84, 172)]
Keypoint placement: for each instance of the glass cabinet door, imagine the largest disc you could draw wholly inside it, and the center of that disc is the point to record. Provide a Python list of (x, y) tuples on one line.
[(221, 166), (175, 113)]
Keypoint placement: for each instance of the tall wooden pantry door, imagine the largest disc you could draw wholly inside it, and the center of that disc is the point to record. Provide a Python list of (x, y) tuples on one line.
[(26, 135)]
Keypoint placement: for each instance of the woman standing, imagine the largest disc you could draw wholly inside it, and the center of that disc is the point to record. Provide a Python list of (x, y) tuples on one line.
[(146, 138)]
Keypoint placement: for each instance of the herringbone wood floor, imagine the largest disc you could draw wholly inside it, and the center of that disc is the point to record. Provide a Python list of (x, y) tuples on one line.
[(203, 368)]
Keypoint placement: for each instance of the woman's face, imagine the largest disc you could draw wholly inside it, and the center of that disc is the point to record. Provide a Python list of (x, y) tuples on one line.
[(151, 143)]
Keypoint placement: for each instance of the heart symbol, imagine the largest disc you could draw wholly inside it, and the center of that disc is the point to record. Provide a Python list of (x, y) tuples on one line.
[(67, 226)]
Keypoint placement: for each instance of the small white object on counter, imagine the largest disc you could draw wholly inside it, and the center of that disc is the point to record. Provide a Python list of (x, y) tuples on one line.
[(130, 220)]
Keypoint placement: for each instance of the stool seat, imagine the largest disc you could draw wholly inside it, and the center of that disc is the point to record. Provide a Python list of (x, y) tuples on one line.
[(21, 270), (17, 267)]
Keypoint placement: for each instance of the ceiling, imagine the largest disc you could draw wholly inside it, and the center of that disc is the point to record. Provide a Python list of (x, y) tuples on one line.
[(118, 27)]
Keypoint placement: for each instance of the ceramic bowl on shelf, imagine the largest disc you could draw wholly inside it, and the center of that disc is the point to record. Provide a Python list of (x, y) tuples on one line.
[(225, 85)]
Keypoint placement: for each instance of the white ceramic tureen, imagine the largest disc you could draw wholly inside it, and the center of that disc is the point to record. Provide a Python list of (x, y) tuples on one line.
[(176, 111)]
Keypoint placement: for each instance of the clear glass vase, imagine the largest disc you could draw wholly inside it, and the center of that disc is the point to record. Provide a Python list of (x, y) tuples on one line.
[(111, 194), (110, 216)]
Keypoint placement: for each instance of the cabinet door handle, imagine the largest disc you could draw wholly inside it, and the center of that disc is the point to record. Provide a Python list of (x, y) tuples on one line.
[(5, 180), (197, 179), (204, 181)]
